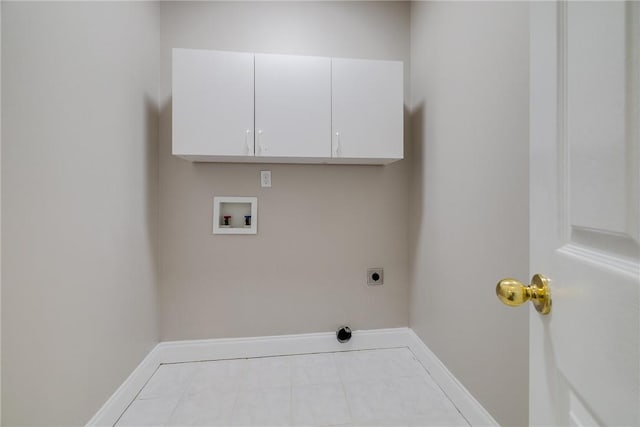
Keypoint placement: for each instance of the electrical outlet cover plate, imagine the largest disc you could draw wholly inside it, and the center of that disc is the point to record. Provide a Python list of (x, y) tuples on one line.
[(265, 179), (375, 276)]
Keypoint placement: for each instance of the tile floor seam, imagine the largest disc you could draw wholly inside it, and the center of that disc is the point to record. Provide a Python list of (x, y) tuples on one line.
[(290, 366), (237, 393), (346, 399), (291, 405), (440, 387), (137, 394), (184, 392), (386, 370)]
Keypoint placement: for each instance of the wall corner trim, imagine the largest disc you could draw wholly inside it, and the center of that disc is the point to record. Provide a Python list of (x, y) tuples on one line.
[(232, 348), (469, 407)]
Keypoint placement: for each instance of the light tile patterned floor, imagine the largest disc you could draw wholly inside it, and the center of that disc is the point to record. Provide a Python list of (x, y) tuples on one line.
[(355, 388)]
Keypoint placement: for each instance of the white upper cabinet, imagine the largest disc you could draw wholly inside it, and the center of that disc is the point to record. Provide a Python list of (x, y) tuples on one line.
[(367, 107), (245, 107), (293, 106), (212, 103)]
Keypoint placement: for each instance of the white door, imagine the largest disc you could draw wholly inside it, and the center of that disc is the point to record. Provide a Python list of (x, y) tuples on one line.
[(585, 212), (212, 101), (367, 106), (293, 106)]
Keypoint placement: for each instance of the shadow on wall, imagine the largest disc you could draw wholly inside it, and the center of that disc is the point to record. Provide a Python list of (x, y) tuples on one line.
[(416, 184), (152, 117), (166, 117)]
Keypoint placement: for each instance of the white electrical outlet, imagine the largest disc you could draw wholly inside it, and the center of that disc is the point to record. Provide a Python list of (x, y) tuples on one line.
[(265, 179)]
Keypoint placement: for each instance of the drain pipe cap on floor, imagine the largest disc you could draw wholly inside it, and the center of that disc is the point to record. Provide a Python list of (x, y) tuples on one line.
[(343, 334)]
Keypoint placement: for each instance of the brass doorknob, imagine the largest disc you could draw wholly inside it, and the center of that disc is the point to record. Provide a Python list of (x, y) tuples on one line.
[(513, 293)]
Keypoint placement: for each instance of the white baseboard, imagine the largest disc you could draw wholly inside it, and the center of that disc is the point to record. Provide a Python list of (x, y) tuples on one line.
[(468, 406), (232, 348)]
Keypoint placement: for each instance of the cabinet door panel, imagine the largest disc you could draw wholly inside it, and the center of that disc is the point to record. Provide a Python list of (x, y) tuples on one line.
[(367, 106), (293, 106), (212, 103)]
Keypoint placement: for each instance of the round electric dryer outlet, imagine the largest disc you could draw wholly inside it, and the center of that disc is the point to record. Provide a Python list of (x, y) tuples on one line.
[(375, 276)]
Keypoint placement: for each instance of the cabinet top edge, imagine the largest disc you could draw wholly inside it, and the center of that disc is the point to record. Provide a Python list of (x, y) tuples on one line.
[(284, 54)]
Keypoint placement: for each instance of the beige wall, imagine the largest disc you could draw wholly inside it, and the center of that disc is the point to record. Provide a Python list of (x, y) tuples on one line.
[(320, 227), (79, 184), (469, 197), (1, 212)]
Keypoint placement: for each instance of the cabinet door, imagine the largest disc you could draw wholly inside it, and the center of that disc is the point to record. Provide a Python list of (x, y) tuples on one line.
[(212, 103), (293, 106), (367, 108)]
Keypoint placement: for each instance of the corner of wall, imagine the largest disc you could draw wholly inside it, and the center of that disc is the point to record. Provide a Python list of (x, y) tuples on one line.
[(460, 98)]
